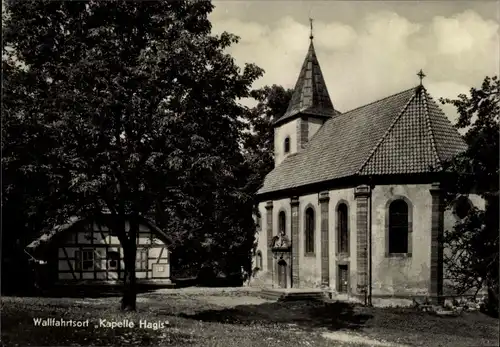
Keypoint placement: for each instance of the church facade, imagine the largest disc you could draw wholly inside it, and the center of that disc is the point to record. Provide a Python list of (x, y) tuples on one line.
[(355, 202)]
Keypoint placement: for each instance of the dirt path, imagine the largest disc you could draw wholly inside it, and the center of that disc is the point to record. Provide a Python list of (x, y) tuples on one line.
[(232, 297), (355, 338), (230, 302), (205, 290)]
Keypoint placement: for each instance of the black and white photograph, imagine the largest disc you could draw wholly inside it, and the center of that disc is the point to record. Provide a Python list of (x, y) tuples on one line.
[(240, 173)]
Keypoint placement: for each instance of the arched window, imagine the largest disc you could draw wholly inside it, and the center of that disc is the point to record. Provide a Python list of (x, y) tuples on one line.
[(258, 221), (462, 207), (342, 228), (282, 222), (258, 260), (398, 227), (287, 145), (309, 230)]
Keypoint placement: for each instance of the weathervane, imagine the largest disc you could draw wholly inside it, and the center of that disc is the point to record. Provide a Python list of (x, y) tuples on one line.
[(311, 22), (421, 75)]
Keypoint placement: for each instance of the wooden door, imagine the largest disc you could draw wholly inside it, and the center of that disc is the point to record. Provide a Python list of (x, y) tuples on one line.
[(343, 278), (282, 274)]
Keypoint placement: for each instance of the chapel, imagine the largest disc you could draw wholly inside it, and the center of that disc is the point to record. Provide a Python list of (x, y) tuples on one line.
[(354, 203)]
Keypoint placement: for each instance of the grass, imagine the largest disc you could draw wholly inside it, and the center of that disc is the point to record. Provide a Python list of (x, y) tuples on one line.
[(231, 319)]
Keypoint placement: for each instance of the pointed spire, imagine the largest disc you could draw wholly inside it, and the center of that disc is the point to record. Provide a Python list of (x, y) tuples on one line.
[(310, 96), (311, 37)]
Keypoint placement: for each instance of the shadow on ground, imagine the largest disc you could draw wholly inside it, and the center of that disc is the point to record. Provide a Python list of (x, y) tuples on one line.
[(79, 292), (306, 314)]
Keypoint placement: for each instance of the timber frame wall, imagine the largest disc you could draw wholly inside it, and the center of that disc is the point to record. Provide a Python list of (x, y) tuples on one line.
[(88, 236)]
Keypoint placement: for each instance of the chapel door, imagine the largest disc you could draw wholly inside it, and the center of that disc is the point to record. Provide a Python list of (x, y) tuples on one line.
[(282, 274), (343, 279)]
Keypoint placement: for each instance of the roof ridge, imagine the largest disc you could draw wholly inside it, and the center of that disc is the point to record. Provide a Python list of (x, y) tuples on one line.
[(429, 128), (387, 132), (378, 100)]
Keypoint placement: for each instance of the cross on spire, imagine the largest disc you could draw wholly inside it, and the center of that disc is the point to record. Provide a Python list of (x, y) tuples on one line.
[(421, 75), (311, 23)]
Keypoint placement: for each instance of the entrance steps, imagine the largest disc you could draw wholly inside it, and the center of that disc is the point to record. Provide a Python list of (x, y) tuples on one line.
[(292, 294)]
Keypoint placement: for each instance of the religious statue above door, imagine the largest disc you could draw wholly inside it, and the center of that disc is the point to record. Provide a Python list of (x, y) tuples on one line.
[(280, 242)]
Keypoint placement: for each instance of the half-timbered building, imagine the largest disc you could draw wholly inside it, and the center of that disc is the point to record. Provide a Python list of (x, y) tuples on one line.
[(86, 251)]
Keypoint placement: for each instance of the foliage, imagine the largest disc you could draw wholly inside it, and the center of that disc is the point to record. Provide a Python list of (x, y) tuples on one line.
[(473, 243), (258, 149), (259, 142), (129, 107), (470, 257), (479, 114)]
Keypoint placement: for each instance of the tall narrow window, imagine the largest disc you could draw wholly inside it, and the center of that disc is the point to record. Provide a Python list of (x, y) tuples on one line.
[(258, 260), (88, 260), (309, 230), (398, 227), (282, 222), (342, 228), (141, 263), (287, 145)]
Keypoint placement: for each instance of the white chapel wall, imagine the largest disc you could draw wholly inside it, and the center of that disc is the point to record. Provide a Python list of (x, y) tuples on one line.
[(262, 237), (313, 126), (408, 275), (309, 265), (281, 132), (345, 195)]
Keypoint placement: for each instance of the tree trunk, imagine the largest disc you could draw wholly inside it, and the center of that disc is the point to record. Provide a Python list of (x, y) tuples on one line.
[(492, 205), (130, 253), (129, 284)]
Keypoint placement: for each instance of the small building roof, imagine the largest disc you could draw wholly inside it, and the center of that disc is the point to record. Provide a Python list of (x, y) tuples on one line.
[(49, 235), (405, 133)]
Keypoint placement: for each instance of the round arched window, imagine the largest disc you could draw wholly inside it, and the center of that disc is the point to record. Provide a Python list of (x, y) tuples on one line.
[(462, 207), (287, 145)]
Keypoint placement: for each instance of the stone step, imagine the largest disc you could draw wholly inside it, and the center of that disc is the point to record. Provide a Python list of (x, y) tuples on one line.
[(273, 294), (270, 294), (304, 296), (273, 297)]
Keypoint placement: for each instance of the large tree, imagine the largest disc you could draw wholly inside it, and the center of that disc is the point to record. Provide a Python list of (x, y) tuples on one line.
[(473, 257), (129, 107), (258, 151), (272, 103), (258, 142)]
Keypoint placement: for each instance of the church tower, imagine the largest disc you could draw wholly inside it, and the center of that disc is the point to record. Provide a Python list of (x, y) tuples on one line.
[(308, 110)]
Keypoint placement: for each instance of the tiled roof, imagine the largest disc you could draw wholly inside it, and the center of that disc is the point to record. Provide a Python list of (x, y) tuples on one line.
[(402, 134), (48, 235), (310, 96)]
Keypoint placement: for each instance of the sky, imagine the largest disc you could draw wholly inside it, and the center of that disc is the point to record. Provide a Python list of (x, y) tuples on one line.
[(368, 50)]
